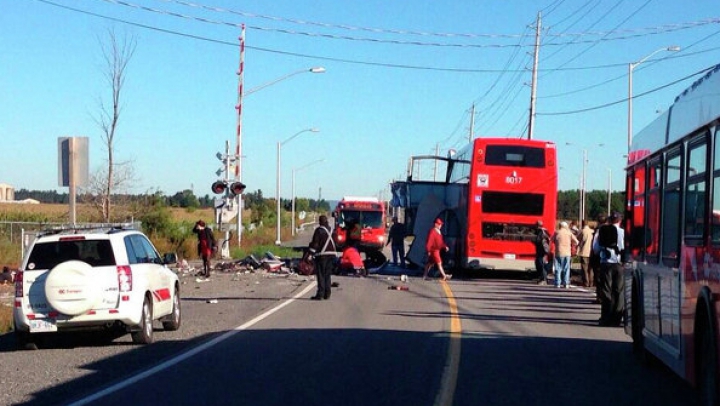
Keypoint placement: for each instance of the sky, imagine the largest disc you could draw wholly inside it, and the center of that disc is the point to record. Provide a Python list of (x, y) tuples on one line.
[(401, 79)]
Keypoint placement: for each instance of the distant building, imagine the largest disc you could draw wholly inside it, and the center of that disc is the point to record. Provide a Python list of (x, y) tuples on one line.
[(7, 193)]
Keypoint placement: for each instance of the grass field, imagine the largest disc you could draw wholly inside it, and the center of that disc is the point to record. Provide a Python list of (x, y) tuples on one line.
[(256, 242)]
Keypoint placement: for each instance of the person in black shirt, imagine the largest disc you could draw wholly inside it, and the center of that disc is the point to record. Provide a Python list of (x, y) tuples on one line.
[(396, 237), (542, 249), (322, 248)]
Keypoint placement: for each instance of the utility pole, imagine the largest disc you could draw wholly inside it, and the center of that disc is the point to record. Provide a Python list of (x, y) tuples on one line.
[(471, 134), (533, 86), (238, 147)]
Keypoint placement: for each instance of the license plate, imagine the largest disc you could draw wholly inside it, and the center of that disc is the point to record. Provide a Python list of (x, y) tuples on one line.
[(42, 326), (509, 256)]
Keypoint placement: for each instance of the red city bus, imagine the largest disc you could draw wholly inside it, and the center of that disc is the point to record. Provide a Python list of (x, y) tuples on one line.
[(493, 192), (672, 225), (369, 214)]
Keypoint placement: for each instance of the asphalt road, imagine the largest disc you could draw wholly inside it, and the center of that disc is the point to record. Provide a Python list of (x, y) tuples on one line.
[(499, 340), (514, 343)]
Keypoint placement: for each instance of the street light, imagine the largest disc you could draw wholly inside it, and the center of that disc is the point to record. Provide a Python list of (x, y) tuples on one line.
[(241, 94), (631, 67), (583, 182), (277, 190), (317, 69), (292, 223)]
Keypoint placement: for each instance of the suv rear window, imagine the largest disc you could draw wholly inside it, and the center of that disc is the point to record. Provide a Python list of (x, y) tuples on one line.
[(95, 252)]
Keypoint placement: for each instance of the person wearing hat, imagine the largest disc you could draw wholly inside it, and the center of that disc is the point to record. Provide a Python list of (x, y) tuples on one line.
[(563, 240), (322, 248), (434, 245), (396, 237), (206, 246)]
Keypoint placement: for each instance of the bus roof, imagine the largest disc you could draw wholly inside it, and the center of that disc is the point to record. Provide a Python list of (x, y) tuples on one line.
[(695, 107)]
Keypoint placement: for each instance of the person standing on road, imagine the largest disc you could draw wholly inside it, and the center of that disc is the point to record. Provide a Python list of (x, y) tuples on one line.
[(610, 245), (595, 257), (434, 245), (396, 237), (542, 249), (206, 245), (563, 240), (584, 252), (322, 248)]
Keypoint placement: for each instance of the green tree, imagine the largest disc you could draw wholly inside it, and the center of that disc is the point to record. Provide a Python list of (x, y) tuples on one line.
[(185, 199)]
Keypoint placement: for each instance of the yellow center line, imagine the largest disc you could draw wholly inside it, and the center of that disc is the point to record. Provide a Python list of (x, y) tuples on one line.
[(452, 362)]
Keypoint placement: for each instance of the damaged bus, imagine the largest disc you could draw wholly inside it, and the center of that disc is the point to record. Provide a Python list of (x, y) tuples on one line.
[(490, 195)]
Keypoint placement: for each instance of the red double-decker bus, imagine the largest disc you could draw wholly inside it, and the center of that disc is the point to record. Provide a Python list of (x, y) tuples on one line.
[(672, 226), (490, 195)]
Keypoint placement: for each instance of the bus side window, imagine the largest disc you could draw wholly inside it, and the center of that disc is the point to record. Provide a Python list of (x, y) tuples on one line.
[(652, 211), (671, 207), (695, 192)]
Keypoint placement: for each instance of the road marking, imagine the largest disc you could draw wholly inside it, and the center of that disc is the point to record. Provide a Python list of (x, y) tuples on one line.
[(182, 357), (448, 380)]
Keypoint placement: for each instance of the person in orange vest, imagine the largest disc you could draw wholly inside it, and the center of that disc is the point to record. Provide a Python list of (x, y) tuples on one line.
[(351, 262), (434, 245)]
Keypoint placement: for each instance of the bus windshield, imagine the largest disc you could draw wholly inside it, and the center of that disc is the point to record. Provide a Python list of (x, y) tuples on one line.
[(372, 219)]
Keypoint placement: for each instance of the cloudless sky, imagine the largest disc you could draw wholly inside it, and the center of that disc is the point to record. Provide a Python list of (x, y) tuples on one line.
[(400, 80)]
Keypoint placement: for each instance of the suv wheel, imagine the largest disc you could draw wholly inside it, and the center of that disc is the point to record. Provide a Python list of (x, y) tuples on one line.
[(145, 334), (173, 320), (23, 341)]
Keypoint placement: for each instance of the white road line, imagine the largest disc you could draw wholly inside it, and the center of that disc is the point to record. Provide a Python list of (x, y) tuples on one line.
[(182, 357)]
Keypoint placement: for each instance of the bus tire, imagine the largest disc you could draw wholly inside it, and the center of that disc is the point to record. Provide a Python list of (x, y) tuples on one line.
[(706, 358)]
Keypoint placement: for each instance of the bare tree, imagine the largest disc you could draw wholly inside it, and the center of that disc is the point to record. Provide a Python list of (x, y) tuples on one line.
[(95, 193), (116, 53)]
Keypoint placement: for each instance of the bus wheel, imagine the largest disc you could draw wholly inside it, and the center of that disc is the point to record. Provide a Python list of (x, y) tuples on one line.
[(374, 258), (706, 359)]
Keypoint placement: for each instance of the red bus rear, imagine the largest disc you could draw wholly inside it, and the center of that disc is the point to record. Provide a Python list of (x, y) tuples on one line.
[(491, 195), (513, 185)]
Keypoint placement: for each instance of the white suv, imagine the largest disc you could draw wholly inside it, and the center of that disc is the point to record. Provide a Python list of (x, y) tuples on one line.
[(107, 278)]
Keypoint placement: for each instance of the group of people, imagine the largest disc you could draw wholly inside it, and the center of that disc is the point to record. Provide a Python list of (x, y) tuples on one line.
[(323, 251), (601, 255), (322, 248)]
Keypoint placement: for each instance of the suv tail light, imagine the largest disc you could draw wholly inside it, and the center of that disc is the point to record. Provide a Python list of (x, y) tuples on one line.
[(19, 283), (124, 274)]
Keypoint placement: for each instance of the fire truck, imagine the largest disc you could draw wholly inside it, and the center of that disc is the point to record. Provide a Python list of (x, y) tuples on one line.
[(369, 215)]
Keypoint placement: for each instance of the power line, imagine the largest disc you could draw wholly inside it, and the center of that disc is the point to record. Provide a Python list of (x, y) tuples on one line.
[(647, 65), (552, 7), (604, 37), (294, 54), (352, 38), (624, 100)]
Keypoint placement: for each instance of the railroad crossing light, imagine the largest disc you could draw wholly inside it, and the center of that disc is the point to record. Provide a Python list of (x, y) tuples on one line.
[(237, 188), (218, 187)]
